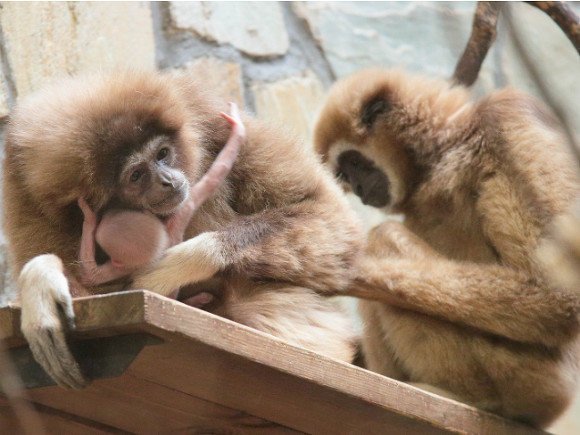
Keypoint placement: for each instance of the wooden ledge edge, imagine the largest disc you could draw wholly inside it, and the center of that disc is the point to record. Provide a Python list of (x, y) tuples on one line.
[(164, 317), (360, 384), (107, 311)]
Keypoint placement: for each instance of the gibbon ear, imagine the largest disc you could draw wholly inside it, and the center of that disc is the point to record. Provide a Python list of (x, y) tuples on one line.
[(372, 109)]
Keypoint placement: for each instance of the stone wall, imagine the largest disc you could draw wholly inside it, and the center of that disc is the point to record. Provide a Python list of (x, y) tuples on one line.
[(275, 59)]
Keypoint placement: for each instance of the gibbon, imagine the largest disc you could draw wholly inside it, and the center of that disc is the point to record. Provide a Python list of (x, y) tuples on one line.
[(455, 298), (276, 233)]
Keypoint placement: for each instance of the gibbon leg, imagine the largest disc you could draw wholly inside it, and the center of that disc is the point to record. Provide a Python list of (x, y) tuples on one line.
[(297, 315), (379, 356)]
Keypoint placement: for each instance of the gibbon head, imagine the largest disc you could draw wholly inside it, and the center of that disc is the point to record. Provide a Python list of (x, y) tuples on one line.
[(123, 138), (372, 128)]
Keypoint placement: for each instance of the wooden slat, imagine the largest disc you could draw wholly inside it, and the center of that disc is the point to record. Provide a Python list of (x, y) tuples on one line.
[(140, 406), (53, 421), (211, 374)]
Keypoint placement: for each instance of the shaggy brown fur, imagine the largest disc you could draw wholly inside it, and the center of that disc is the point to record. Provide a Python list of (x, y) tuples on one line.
[(561, 254), (278, 218), (464, 304)]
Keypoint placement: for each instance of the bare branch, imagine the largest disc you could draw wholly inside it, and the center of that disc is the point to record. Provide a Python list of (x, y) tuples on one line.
[(483, 33), (565, 17)]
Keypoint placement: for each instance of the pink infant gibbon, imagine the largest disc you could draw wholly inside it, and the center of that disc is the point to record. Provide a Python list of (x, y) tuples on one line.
[(133, 239)]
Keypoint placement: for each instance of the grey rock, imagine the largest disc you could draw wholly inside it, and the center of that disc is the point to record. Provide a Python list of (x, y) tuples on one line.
[(256, 28)]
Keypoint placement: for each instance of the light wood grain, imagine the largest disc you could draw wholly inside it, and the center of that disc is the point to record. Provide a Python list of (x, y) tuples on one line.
[(53, 421), (211, 374)]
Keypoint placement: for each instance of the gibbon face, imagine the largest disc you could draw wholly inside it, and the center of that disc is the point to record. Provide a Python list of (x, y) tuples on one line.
[(150, 148), (151, 177), (125, 143), (363, 155), (360, 134)]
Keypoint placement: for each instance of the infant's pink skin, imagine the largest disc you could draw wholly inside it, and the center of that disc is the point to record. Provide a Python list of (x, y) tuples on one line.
[(214, 177), (199, 300), (91, 273), (134, 239)]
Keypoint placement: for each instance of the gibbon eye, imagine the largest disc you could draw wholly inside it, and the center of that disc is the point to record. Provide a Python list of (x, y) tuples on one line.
[(135, 176), (162, 153)]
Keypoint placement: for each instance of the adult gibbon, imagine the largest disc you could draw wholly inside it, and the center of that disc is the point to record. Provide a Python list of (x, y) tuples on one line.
[(275, 234), (456, 298)]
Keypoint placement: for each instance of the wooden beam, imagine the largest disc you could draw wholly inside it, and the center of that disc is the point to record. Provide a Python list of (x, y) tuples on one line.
[(213, 374)]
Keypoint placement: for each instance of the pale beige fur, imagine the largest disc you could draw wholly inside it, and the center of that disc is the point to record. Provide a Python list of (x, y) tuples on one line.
[(464, 303)]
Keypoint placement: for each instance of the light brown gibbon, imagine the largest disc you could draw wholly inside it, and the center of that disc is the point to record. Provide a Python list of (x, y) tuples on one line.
[(276, 233), (455, 298)]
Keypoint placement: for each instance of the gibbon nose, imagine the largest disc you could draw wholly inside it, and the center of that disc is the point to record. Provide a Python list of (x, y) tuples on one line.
[(166, 181)]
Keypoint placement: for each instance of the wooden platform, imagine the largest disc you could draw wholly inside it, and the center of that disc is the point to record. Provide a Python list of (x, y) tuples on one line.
[(179, 369)]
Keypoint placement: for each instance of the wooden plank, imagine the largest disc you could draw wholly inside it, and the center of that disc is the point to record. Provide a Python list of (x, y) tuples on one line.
[(139, 406), (53, 422), (97, 316), (213, 374)]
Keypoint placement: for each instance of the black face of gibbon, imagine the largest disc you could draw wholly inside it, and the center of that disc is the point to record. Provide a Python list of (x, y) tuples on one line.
[(152, 178), (366, 180)]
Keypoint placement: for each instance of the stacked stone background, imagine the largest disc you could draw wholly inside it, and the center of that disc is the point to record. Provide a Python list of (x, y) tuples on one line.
[(275, 59)]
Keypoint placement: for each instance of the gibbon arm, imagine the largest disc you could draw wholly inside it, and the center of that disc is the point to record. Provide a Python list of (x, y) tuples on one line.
[(209, 183), (293, 226), (301, 243), (492, 298), (42, 280), (510, 299), (91, 273)]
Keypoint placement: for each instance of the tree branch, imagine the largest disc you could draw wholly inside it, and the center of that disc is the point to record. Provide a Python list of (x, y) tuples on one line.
[(483, 33), (563, 16)]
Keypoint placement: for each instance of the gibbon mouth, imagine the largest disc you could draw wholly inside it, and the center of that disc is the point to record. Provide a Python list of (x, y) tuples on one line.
[(377, 196), (376, 199), (168, 205), (365, 178)]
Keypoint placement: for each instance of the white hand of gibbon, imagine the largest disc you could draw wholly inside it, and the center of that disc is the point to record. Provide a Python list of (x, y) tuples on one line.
[(43, 289), (194, 260)]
